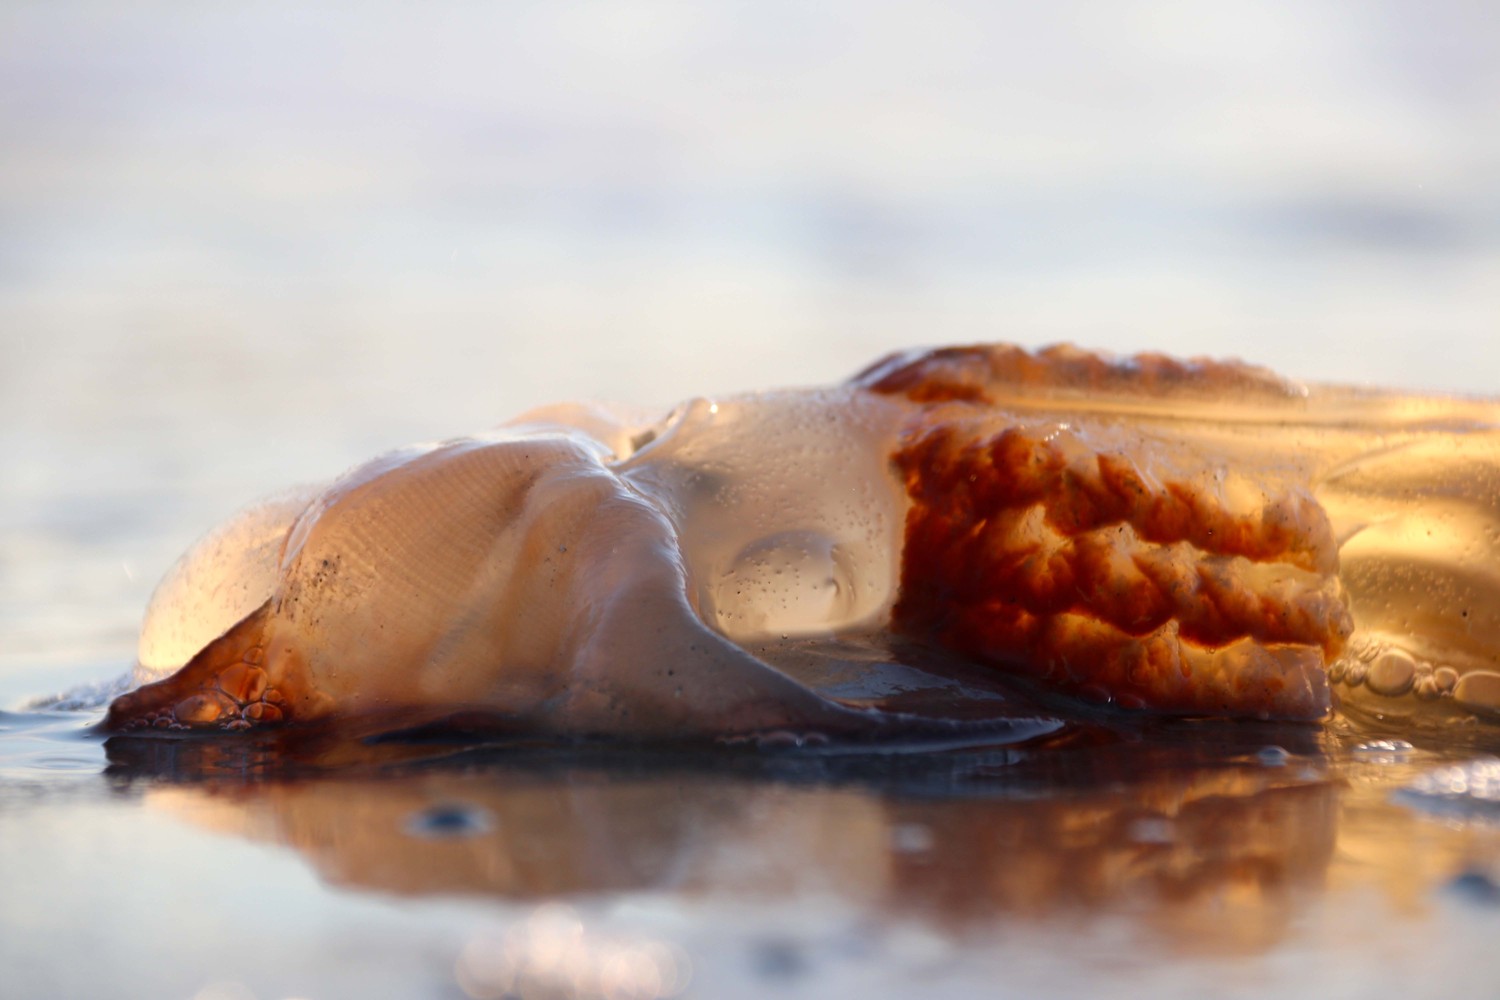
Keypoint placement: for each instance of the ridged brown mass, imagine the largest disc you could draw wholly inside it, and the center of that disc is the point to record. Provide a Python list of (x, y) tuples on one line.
[(1111, 564)]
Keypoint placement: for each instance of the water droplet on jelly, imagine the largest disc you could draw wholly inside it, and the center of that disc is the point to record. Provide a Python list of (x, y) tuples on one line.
[(1478, 690), (1273, 756), (243, 682), (199, 709), (1392, 674), (787, 584), (259, 711)]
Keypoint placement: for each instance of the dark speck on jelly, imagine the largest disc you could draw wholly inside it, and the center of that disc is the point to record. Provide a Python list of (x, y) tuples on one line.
[(449, 820)]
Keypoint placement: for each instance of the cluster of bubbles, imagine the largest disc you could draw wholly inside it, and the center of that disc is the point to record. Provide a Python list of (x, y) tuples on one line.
[(1390, 672)]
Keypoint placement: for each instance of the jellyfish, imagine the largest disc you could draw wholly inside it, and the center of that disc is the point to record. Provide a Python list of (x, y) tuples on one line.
[(1170, 537)]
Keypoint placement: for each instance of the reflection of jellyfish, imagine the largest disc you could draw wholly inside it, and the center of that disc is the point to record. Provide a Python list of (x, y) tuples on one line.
[(1190, 538), (955, 839)]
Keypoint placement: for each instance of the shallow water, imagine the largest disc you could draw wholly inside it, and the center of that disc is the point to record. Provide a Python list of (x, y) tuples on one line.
[(1246, 860)]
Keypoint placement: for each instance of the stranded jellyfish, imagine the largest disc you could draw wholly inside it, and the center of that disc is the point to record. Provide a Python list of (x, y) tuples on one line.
[(1183, 537)]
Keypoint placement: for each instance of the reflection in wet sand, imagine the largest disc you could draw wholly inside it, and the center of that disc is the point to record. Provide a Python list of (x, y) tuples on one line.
[(974, 837), (1189, 847)]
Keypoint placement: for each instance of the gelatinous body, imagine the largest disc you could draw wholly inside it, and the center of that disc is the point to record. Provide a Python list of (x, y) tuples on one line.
[(1195, 538)]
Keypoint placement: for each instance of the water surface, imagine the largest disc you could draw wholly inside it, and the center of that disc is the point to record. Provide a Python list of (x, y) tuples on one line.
[(1162, 860)]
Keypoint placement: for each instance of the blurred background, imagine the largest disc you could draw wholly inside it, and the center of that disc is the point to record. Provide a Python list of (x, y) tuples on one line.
[(244, 246)]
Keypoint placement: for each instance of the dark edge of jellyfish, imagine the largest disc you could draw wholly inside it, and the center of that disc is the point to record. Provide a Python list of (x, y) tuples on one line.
[(937, 764)]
